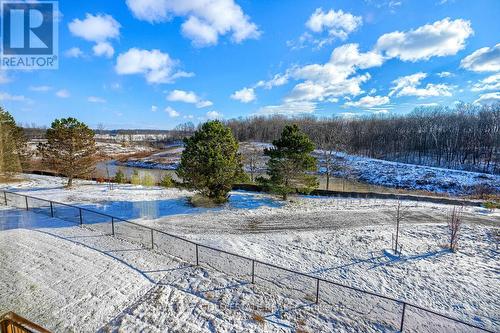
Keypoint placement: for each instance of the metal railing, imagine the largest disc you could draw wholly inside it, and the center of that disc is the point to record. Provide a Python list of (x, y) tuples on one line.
[(396, 314)]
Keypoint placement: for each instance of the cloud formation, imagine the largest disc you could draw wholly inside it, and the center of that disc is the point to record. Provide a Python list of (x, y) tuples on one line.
[(63, 93), (172, 113), (441, 38), (157, 67), (288, 108), (489, 98), (335, 78), (490, 83), (245, 95), (367, 102), (338, 24), (99, 29), (103, 49), (486, 59), (410, 86), (188, 97), (206, 20)]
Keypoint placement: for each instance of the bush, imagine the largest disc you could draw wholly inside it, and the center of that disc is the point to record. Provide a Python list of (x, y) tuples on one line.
[(199, 200), (135, 179), (491, 205), (120, 177), (167, 181), (148, 180)]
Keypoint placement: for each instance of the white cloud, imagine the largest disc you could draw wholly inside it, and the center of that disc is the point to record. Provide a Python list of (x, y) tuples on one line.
[(188, 97), (40, 88), (445, 74), (171, 112), (98, 28), (409, 86), (214, 115), (156, 66), (103, 49), (288, 108), (245, 95), (201, 33), (489, 98), (276, 81), (369, 102), (486, 59), (63, 93), (74, 52), (13, 98), (335, 78), (154, 108), (95, 99), (95, 28), (490, 83), (383, 111), (441, 38), (206, 19), (336, 23)]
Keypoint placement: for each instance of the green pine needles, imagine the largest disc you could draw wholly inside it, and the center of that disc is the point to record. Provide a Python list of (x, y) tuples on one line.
[(210, 162), (291, 166)]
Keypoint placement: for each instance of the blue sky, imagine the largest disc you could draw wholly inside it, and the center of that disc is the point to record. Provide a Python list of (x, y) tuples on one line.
[(158, 63)]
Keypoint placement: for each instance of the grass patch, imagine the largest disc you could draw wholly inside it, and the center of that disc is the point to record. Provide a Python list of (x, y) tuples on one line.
[(258, 318), (491, 205), (6, 179), (202, 201)]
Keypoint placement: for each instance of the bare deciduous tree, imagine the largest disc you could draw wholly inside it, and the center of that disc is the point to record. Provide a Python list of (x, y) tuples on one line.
[(454, 226), (399, 215), (464, 137), (251, 158)]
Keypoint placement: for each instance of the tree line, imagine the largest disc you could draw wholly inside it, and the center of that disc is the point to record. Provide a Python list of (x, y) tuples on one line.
[(466, 136)]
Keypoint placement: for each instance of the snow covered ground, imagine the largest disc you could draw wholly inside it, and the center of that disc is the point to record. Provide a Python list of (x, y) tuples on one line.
[(412, 176), (344, 240)]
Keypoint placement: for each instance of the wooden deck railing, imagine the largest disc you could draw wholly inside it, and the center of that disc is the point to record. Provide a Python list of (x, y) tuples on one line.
[(13, 323)]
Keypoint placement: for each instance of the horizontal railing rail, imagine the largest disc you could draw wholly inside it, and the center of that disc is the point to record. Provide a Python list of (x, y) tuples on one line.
[(253, 261)]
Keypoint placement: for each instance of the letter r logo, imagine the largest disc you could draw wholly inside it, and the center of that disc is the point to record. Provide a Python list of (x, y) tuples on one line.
[(27, 28)]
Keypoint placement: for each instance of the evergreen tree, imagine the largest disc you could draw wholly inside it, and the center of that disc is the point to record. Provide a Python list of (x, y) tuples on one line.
[(13, 148), (70, 148), (120, 177), (210, 162), (289, 163)]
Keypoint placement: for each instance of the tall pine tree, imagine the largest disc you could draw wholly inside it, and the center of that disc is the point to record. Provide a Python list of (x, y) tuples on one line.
[(13, 148), (210, 162), (70, 148), (291, 163)]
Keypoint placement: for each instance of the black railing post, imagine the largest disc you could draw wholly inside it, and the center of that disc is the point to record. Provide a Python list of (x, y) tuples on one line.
[(26, 199), (317, 291), (81, 217), (5, 198), (51, 209), (197, 260), (113, 226), (152, 240), (253, 271), (402, 317)]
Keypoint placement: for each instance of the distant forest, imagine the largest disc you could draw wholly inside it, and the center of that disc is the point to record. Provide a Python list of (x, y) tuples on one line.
[(465, 137)]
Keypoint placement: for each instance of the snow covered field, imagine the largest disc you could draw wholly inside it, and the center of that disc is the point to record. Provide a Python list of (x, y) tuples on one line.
[(342, 240), (412, 176)]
